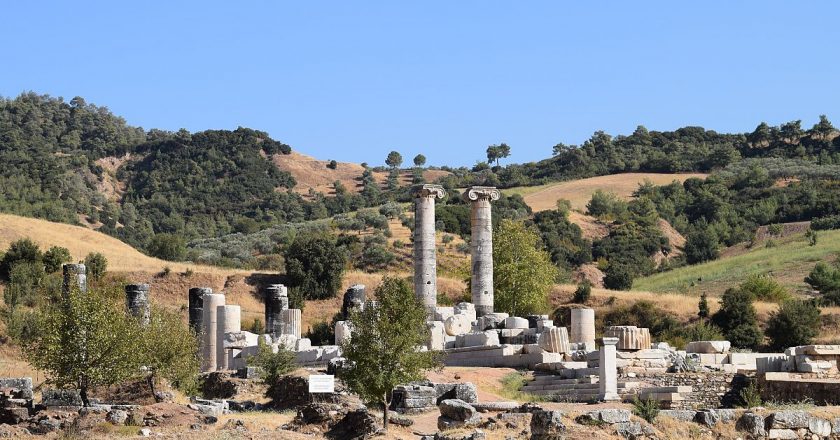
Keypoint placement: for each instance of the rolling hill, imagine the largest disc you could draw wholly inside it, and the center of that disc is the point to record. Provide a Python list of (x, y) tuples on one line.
[(789, 261), (543, 197)]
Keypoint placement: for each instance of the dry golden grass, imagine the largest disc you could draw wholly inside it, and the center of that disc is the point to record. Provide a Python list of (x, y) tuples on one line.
[(82, 241), (541, 198)]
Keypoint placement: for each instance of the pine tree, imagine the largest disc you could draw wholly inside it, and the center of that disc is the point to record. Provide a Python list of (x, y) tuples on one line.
[(703, 307)]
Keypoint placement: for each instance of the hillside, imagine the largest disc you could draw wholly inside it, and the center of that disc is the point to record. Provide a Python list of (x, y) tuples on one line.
[(543, 197), (789, 261), (80, 241)]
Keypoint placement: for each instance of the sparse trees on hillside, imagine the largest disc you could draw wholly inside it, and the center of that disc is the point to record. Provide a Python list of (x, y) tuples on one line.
[(496, 152)]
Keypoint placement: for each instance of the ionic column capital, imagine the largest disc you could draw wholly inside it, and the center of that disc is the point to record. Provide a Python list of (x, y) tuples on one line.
[(475, 193), (429, 191)]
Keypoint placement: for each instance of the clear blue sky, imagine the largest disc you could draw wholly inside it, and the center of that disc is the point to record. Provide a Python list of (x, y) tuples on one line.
[(354, 80)]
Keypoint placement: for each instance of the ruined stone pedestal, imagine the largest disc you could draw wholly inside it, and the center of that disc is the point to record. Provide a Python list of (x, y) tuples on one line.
[(276, 300), (211, 302), (75, 277), (608, 371), (229, 320), (137, 302), (196, 314), (481, 246), (582, 329), (629, 337), (425, 251)]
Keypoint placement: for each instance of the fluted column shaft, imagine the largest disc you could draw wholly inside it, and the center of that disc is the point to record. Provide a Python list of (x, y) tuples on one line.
[(481, 247)]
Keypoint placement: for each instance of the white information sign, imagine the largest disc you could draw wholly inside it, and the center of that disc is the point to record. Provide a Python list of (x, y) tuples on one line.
[(321, 383)]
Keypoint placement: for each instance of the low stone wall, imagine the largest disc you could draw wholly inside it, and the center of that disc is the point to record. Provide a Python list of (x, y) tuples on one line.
[(709, 390), (796, 387)]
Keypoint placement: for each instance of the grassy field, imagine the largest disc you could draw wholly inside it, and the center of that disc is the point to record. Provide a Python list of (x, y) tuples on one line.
[(543, 197), (789, 262)]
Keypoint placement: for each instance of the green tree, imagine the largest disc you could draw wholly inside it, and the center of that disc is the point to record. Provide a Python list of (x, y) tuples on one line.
[(24, 282), (703, 306), (169, 247), (618, 276), (764, 288), (55, 257), (168, 350), (523, 273), (795, 323), (383, 347), (20, 251), (811, 235), (583, 292), (96, 265), (701, 245), (419, 160), (826, 280), (605, 204), (496, 152), (394, 160), (738, 320), (85, 341), (315, 265)]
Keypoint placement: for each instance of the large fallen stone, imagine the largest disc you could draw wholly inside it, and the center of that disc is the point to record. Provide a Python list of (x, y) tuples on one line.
[(547, 425), (752, 424), (610, 416), (356, 424), (555, 340), (59, 397), (629, 337), (515, 322), (478, 339), (788, 420), (457, 409), (708, 347)]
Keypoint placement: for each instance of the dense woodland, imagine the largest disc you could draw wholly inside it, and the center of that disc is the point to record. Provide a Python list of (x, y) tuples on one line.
[(216, 197)]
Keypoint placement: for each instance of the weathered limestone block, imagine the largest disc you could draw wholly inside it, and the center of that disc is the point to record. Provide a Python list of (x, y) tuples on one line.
[(330, 352), (456, 413), (303, 344), (343, 331), (240, 339), (481, 246), (137, 302), (457, 325), (611, 416), (710, 347), (290, 322), (582, 329), (482, 339), (547, 425), (442, 313), (515, 322), (286, 341), (314, 354), (437, 333), (629, 337), (533, 320), (413, 398), (555, 340), (354, 299), (544, 324), (490, 321), (819, 350), (811, 364), (195, 296), (465, 308), (17, 387)]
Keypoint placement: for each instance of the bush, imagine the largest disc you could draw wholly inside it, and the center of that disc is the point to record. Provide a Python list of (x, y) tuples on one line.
[(737, 318), (55, 257), (618, 277), (583, 292), (315, 265), (23, 285), (332, 165), (751, 396), (647, 409), (273, 365), (703, 307), (96, 265), (764, 288), (795, 323), (701, 245), (169, 247), (826, 280), (21, 251), (606, 205)]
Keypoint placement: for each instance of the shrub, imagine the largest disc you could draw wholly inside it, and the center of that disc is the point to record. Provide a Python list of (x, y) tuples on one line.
[(703, 306), (826, 280), (795, 323), (273, 365), (701, 245), (811, 235), (169, 247), (764, 288), (618, 277), (583, 292), (447, 238), (751, 396), (332, 164), (23, 285), (737, 318), (21, 251), (55, 257), (315, 265), (96, 265), (647, 409), (775, 229)]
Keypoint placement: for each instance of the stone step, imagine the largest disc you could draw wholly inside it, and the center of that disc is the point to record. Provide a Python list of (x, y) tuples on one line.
[(673, 389), (557, 379), (577, 387)]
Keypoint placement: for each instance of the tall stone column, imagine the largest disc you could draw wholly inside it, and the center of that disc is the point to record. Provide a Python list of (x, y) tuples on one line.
[(608, 371), (210, 304), (290, 323), (229, 320), (481, 246), (75, 276), (276, 299), (425, 251), (137, 302), (196, 303)]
